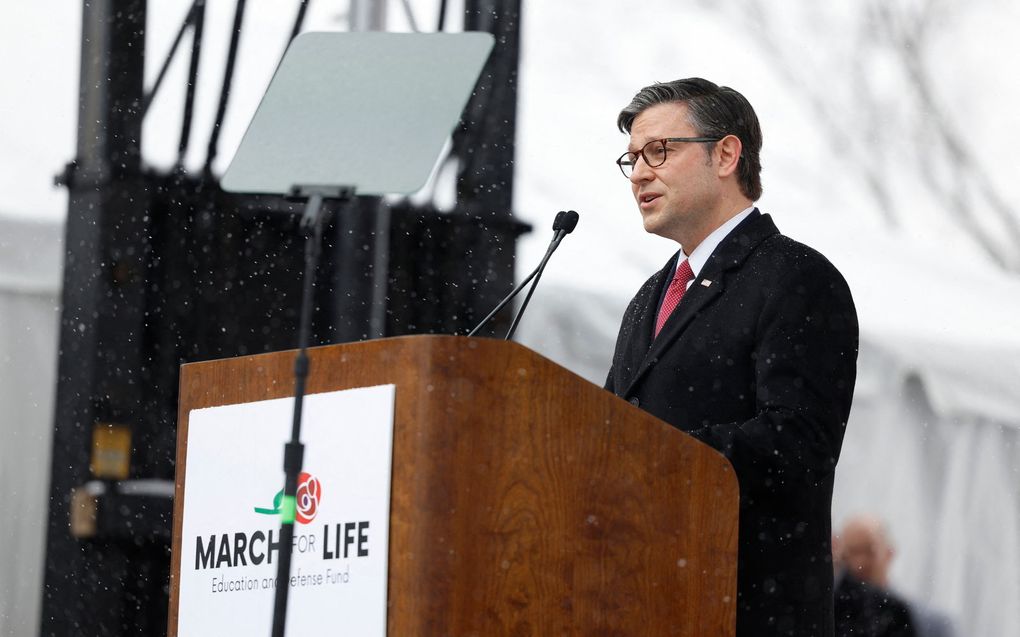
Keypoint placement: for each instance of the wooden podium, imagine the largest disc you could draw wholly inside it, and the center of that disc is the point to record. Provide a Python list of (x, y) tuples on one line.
[(525, 500)]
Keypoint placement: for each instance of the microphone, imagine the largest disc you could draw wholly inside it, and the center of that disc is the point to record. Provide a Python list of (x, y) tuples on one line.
[(563, 224)]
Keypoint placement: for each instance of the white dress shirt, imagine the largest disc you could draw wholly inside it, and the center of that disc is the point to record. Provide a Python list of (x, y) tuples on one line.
[(699, 257)]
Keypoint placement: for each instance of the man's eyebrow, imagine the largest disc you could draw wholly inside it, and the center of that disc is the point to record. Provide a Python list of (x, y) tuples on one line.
[(641, 145)]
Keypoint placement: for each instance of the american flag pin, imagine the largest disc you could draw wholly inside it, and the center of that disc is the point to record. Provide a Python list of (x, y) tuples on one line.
[(706, 282)]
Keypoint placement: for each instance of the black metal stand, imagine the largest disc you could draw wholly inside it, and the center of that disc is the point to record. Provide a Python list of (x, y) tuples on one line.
[(293, 454), (534, 284), (536, 274)]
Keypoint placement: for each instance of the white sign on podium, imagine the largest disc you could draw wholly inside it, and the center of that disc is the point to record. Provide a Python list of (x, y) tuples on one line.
[(231, 527)]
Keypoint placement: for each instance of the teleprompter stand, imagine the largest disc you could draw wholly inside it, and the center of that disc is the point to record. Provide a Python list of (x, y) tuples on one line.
[(293, 455), (344, 112)]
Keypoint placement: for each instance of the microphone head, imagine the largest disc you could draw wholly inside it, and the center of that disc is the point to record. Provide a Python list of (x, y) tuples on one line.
[(569, 221), (558, 221)]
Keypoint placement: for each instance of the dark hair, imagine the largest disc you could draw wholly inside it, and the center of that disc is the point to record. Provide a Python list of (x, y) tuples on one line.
[(714, 111)]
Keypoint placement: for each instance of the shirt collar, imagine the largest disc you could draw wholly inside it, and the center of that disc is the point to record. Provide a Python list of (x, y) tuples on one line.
[(699, 257)]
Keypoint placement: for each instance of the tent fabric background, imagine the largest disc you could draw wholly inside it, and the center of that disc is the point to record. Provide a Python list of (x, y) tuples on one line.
[(947, 485), (30, 266)]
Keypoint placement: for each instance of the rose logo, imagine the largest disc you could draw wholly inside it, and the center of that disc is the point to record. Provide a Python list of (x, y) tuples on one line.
[(306, 500), (309, 492)]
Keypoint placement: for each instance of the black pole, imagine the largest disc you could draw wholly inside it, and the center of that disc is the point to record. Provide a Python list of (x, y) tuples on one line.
[(485, 143), (442, 16), (189, 97), (228, 78), (188, 20), (102, 320), (293, 454), (299, 20)]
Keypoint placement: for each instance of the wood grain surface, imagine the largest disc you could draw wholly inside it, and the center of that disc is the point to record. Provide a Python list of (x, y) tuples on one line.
[(525, 500)]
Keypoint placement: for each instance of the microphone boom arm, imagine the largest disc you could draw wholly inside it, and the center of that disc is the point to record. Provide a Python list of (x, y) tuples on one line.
[(563, 225)]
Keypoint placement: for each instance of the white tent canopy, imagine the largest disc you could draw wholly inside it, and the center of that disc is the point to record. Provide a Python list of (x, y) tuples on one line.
[(31, 254)]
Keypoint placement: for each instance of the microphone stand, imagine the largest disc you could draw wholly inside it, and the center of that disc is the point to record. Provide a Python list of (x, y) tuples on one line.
[(502, 304), (537, 274), (563, 225), (293, 452)]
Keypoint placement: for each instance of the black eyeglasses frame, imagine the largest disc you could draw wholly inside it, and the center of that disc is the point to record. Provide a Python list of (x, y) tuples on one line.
[(629, 158)]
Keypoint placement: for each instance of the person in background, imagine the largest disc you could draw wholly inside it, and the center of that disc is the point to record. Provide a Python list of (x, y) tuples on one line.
[(865, 609), (867, 552)]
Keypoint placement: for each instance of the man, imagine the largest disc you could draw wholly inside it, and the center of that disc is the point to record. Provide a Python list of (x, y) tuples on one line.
[(864, 607), (865, 552), (746, 340)]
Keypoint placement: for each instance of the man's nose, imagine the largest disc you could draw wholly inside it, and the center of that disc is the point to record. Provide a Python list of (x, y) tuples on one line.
[(641, 171)]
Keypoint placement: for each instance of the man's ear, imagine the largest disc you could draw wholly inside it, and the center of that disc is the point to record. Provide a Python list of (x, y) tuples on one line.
[(727, 151)]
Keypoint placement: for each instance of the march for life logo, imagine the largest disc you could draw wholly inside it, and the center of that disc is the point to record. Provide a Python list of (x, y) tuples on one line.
[(337, 540), (309, 490), (233, 508)]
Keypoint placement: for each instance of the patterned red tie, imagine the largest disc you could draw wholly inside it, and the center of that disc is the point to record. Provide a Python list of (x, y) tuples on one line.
[(676, 290)]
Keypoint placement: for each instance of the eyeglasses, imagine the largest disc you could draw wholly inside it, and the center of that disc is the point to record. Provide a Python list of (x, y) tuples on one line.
[(654, 153)]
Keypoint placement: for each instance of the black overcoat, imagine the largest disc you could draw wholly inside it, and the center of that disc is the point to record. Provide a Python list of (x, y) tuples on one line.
[(759, 362)]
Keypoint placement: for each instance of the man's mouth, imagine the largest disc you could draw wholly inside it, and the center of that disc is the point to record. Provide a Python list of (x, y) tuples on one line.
[(647, 198)]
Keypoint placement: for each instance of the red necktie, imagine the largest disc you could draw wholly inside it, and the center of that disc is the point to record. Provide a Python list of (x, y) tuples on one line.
[(676, 290)]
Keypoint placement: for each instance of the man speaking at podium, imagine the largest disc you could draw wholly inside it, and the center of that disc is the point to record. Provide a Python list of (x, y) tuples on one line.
[(746, 340)]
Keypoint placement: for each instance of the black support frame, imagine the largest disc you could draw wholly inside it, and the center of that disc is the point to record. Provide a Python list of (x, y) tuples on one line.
[(166, 268)]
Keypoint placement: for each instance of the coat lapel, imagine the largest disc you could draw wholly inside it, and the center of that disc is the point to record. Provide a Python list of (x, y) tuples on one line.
[(709, 285), (641, 333)]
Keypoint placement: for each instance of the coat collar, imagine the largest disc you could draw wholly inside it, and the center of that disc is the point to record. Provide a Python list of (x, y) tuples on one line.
[(710, 283)]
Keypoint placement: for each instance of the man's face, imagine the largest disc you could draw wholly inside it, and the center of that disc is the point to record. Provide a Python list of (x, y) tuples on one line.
[(677, 199), (866, 555)]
